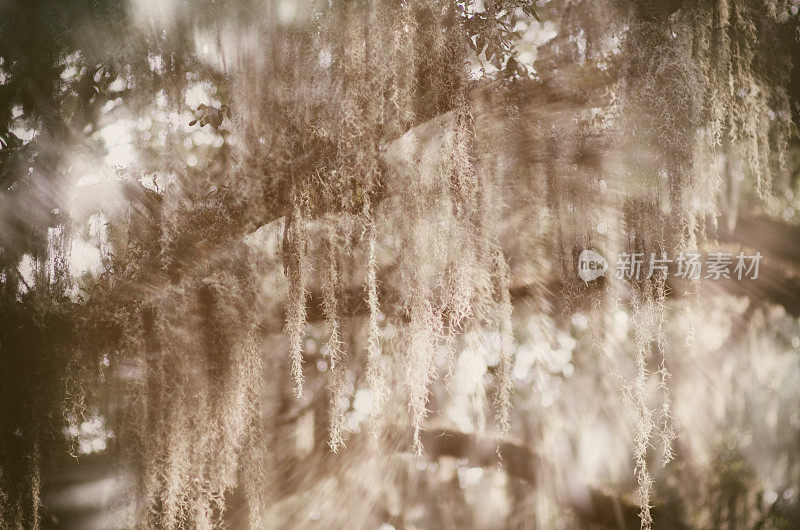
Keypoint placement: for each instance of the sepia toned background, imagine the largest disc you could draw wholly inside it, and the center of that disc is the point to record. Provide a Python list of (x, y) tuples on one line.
[(314, 264)]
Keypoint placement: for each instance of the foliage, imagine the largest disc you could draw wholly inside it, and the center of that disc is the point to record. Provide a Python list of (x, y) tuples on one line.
[(356, 184)]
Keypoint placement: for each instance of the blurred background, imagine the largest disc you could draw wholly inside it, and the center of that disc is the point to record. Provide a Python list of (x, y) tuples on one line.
[(203, 203)]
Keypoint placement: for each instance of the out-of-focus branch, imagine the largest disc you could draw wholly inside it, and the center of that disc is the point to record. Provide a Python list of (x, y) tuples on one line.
[(521, 462), (778, 242)]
